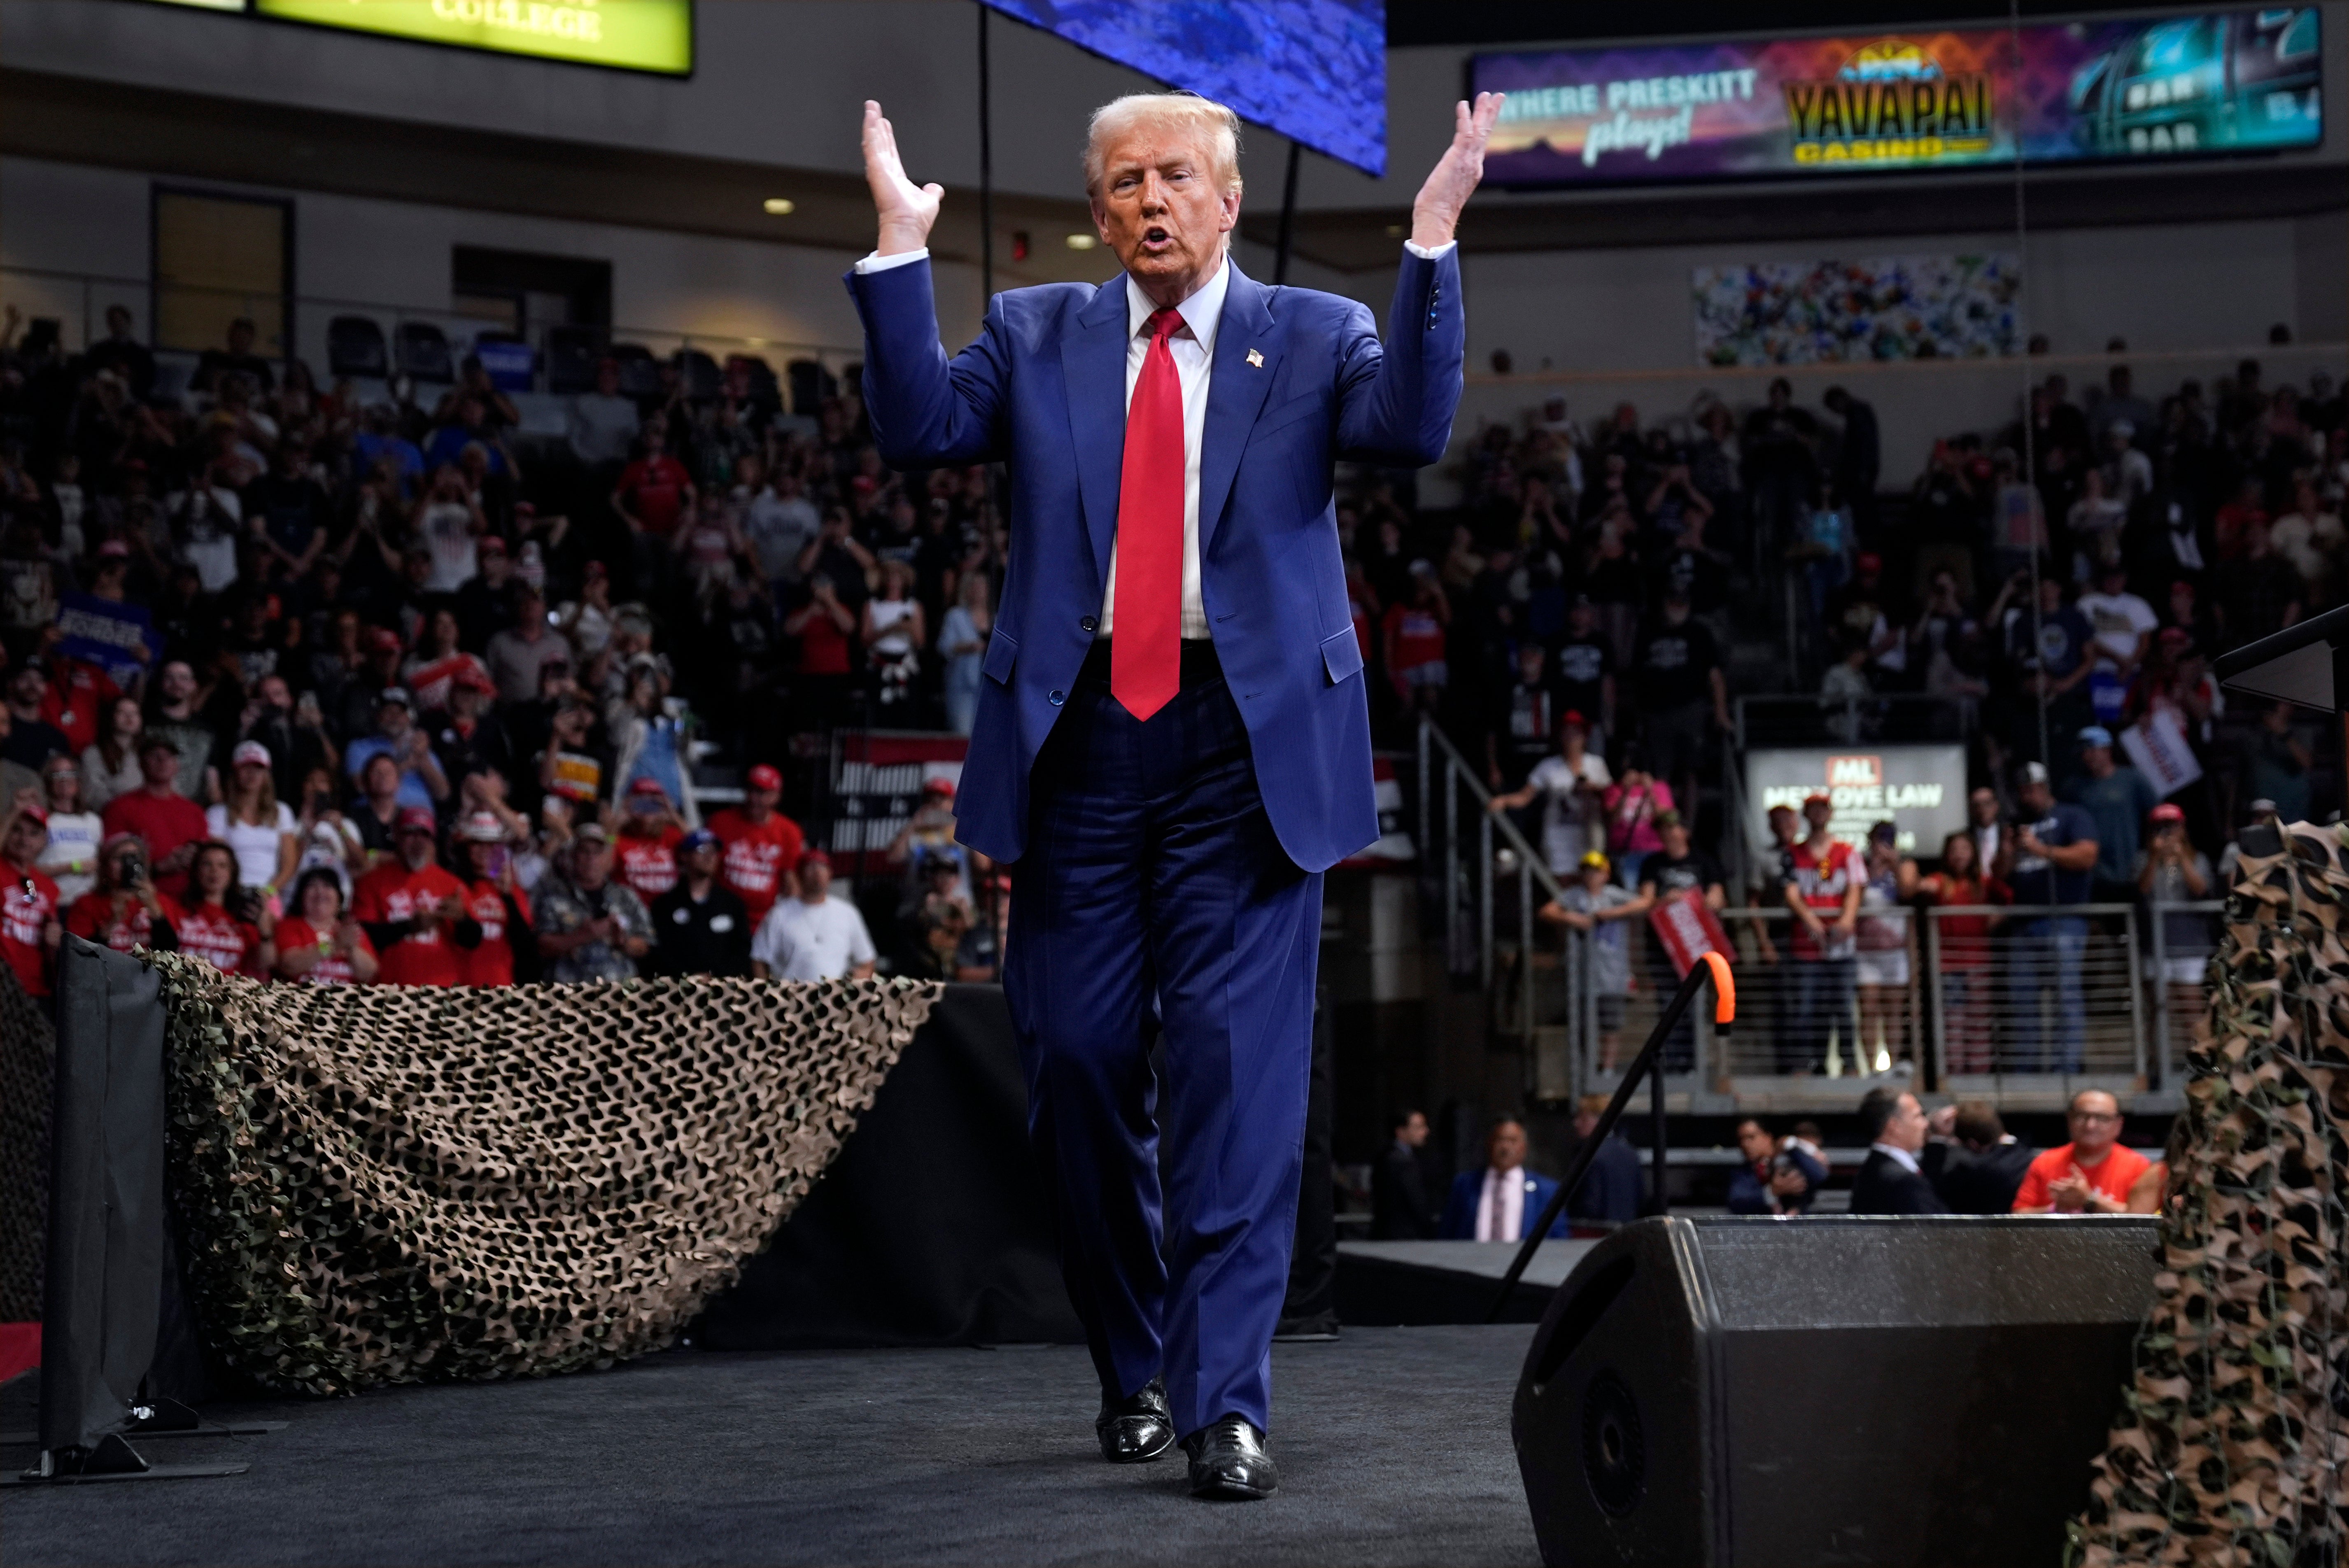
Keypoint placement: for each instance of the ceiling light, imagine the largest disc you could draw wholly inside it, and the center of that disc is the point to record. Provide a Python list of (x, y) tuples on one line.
[(1083, 241), (780, 206)]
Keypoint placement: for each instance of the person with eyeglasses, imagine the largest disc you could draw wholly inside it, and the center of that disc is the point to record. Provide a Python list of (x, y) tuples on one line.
[(2090, 1175)]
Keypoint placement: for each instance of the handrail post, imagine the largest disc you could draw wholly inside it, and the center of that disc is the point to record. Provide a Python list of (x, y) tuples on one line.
[(1485, 897), (1660, 1197), (1424, 813), (1451, 864), (1525, 957)]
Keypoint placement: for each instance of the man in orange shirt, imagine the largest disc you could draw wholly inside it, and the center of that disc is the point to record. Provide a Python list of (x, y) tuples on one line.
[(2090, 1175), (410, 908), (762, 845)]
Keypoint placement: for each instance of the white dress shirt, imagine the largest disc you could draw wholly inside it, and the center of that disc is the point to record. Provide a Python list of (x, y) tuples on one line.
[(1501, 1209), (1906, 1158), (1192, 347)]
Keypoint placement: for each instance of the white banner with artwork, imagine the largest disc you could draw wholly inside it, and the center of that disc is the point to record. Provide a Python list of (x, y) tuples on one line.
[(1877, 307)]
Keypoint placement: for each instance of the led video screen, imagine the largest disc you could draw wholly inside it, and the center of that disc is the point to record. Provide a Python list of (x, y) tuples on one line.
[(1313, 70), (2110, 89), (628, 34)]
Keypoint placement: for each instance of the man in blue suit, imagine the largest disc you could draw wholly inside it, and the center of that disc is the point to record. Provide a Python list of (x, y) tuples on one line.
[(1172, 742), (1500, 1202)]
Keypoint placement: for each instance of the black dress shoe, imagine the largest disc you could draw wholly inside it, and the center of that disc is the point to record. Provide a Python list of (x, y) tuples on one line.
[(1228, 1460), (1137, 1428)]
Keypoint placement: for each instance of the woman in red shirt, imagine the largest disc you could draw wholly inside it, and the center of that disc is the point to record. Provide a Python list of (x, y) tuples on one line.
[(508, 950), (319, 944), (29, 931), (124, 911), (212, 931), (1964, 942)]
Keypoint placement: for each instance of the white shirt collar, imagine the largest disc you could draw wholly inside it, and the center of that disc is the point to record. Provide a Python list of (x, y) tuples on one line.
[(1903, 1155), (1200, 312)]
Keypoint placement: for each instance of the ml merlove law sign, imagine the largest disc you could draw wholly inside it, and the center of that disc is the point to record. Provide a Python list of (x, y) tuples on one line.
[(628, 34), (1920, 789)]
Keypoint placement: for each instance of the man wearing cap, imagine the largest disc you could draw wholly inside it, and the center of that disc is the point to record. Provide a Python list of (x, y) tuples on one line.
[(1586, 671), (2050, 863), (504, 948), (178, 718), (762, 845), (1567, 783), (649, 834), (2116, 798), (31, 739), (704, 927), (2172, 871), (928, 836), (1682, 690), (411, 909), (813, 936), (29, 931), (590, 927), (516, 654), (168, 822), (1822, 888), (421, 782), (468, 740)]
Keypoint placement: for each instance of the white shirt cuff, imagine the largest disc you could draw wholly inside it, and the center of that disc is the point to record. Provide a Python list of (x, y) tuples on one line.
[(1424, 252), (878, 263)]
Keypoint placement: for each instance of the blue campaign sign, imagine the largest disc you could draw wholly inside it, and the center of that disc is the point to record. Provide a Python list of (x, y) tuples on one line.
[(119, 638)]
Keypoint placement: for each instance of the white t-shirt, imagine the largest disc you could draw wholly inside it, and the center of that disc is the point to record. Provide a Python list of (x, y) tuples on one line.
[(1563, 836), (255, 848), (71, 859), (2121, 620), (803, 940)]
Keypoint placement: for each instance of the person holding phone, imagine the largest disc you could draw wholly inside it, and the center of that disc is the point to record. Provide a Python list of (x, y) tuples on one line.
[(125, 911), (506, 950), (319, 944)]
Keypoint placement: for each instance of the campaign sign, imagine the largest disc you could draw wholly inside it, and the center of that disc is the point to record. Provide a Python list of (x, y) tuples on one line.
[(1920, 789), (117, 638), (1689, 930)]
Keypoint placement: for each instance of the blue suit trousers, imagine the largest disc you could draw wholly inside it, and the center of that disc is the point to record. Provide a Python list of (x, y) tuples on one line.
[(1152, 877)]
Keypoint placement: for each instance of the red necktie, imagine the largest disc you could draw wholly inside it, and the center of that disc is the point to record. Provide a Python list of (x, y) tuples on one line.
[(1145, 659)]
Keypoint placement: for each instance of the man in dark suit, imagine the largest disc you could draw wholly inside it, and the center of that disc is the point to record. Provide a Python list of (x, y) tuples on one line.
[(1501, 1202), (1172, 741), (1610, 1191), (1890, 1182), (1984, 1166), (1399, 1208)]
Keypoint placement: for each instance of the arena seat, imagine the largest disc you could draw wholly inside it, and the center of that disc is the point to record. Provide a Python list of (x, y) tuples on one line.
[(355, 347), (422, 350)]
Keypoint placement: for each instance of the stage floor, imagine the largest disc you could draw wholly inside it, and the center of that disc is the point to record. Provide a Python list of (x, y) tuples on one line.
[(1393, 1446)]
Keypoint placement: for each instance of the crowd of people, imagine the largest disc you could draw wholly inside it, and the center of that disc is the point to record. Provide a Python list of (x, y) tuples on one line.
[(420, 698), (337, 688)]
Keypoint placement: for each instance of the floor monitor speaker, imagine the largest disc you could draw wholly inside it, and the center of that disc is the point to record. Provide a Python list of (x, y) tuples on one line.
[(1850, 1390)]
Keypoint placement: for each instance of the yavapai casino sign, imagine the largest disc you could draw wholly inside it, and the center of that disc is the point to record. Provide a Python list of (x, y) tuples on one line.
[(631, 34), (2107, 88)]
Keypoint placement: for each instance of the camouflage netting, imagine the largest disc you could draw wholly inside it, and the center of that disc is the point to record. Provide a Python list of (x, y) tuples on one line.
[(28, 1050), (2231, 1444), (388, 1185)]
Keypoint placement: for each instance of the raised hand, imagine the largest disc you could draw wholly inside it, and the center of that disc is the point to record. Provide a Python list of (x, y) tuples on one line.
[(1436, 209), (906, 210)]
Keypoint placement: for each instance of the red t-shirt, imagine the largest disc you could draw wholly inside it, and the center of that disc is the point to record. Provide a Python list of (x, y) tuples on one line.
[(492, 963), (22, 920), (92, 918), (648, 865), (2113, 1178), (1417, 637), (655, 489), (165, 821), (758, 854), (77, 700), (332, 968), (824, 647), (1824, 878), (219, 938), (392, 893)]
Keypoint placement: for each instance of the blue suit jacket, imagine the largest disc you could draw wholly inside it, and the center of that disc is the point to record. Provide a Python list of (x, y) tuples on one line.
[(1299, 380), (1459, 1223)]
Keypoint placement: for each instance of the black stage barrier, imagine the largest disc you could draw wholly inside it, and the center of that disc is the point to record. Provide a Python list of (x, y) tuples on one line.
[(930, 1227)]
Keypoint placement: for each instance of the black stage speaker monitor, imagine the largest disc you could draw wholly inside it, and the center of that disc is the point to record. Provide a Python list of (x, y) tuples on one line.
[(1848, 1391)]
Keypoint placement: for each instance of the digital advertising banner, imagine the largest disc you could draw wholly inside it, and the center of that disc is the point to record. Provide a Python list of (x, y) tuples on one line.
[(654, 35), (1920, 789), (2218, 84)]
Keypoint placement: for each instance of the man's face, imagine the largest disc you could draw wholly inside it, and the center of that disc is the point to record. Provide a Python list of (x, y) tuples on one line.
[(118, 321), (1752, 1142), (26, 841), (391, 720), (591, 863), (1676, 839), (2097, 760), (275, 692), (2036, 799), (703, 862), (760, 802), (240, 338), (178, 683), (158, 766), (2095, 1121), (1815, 813), (1984, 806), (1412, 1133), (26, 686), (1161, 206), (1907, 1128), (1784, 824), (1506, 1150), (416, 848), (814, 878)]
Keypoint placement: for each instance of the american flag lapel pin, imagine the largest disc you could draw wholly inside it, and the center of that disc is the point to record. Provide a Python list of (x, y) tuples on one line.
[(1256, 357)]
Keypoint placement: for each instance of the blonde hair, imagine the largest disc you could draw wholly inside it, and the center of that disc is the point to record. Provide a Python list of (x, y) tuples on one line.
[(1187, 110)]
